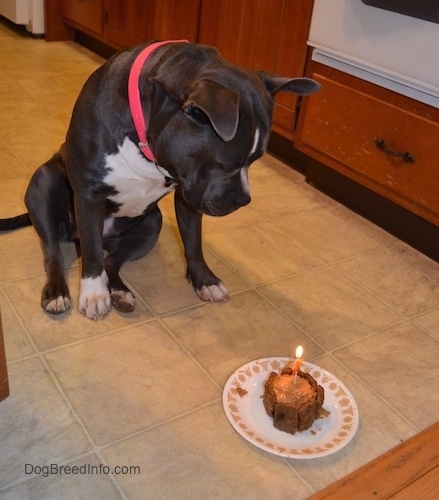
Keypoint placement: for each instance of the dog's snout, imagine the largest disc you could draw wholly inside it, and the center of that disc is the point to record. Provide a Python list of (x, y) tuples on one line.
[(240, 199)]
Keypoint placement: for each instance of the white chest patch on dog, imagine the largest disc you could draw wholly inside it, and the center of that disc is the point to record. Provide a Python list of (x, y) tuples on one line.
[(138, 182)]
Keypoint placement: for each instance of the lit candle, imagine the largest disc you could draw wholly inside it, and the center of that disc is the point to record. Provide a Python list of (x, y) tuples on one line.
[(298, 363)]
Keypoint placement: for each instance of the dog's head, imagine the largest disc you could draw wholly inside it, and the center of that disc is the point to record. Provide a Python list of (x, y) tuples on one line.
[(207, 132)]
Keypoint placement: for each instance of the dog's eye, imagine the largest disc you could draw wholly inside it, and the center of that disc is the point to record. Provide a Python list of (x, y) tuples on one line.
[(195, 114)]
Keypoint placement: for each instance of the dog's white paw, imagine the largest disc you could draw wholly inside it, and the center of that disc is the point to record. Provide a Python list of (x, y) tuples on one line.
[(213, 293), (94, 297), (58, 305), (123, 301)]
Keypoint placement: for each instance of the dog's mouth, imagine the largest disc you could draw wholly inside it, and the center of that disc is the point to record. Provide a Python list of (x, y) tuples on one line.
[(209, 208), (218, 203), (215, 209)]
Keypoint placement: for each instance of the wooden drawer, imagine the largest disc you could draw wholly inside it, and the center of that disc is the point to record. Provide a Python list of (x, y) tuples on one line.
[(85, 13), (342, 125)]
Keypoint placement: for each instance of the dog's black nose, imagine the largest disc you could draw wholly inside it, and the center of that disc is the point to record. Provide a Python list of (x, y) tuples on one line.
[(240, 199)]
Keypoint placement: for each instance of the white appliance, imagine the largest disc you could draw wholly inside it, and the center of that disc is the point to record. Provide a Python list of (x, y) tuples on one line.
[(30, 13), (395, 51)]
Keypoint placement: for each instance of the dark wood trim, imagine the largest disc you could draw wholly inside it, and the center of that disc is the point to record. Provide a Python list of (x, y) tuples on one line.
[(56, 29), (283, 148), (102, 49)]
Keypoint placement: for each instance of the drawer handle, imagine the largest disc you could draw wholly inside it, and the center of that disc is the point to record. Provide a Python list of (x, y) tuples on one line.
[(382, 146)]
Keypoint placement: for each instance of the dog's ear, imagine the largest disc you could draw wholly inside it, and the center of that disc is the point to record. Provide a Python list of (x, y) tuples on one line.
[(300, 86), (218, 103)]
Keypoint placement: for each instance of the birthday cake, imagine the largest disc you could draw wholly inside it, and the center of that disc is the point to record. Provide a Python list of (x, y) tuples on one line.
[(293, 401)]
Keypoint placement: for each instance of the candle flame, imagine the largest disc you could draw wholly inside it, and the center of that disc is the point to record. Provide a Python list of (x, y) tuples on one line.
[(299, 351)]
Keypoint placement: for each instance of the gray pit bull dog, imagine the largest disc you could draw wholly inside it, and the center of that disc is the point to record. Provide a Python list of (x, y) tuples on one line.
[(207, 121)]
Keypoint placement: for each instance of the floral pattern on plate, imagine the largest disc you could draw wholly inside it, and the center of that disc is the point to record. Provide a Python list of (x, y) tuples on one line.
[(244, 408)]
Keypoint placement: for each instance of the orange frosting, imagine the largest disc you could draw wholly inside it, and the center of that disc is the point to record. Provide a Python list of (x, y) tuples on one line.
[(293, 393)]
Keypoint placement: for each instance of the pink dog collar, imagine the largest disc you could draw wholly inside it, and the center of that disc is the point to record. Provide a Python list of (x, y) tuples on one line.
[(134, 96)]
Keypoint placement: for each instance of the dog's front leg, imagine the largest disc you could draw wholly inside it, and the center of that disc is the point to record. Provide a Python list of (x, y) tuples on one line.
[(94, 295), (205, 283)]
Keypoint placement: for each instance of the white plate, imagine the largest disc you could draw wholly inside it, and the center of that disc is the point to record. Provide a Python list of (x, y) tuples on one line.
[(247, 414)]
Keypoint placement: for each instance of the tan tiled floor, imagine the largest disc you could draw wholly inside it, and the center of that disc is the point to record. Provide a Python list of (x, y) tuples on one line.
[(145, 389)]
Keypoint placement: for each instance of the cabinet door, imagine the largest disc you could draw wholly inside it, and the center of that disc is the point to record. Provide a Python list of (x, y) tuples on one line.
[(126, 22), (130, 22), (265, 35), (176, 19), (85, 13)]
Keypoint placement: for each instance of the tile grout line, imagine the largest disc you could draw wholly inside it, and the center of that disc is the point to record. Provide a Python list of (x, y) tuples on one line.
[(40, 355), (372, 292), (376, 393), (191, 356), (159, 424)]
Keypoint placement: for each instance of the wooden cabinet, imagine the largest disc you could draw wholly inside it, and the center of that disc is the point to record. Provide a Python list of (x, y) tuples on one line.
[(136, 21), (382, 140), (265, 35), (126, 22), (123, 23), (85, 13)]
